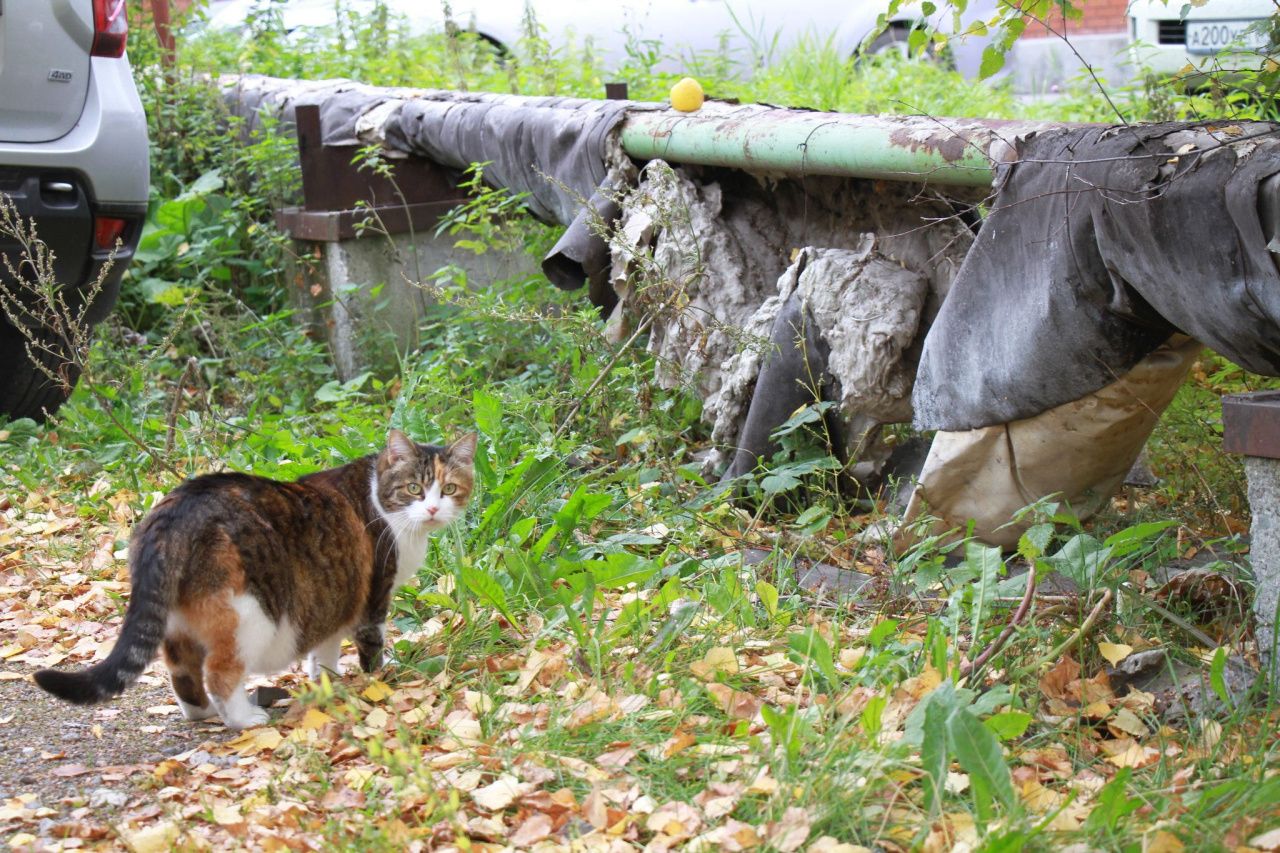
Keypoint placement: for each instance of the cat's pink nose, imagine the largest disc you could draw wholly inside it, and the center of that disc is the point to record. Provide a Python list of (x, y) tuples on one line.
[(432, 510)]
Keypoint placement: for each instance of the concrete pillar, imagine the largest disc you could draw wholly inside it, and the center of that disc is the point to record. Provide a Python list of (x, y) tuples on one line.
[(1251, 426), (366, 295), (1264, 553)]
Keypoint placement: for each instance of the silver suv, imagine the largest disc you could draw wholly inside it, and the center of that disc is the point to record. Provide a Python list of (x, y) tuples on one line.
[(73, 157)]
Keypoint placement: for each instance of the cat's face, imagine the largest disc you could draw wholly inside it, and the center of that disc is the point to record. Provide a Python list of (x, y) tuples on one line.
[(424, 487)]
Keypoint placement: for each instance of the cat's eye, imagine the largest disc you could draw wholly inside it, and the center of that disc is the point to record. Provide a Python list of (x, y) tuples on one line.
[(449, 488), (414, 488)]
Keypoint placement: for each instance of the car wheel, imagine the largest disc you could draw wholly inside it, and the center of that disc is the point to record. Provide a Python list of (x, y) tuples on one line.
[(891, 41), (896, 40), (25, 390)]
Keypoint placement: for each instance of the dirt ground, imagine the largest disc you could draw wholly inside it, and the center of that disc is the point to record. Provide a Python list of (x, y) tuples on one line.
[(90, 762)]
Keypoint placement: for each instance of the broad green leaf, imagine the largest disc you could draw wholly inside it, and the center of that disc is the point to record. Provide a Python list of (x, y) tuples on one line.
[(1112, 805), (1217, 679), (883, 630), (934, 752), (976, 748), (992, 61), (1008, 724), (872, 715), (810, 648), (768, 597), (1133, 538), (1081, 559), (1035, 541), (488, 413), (487, 590)]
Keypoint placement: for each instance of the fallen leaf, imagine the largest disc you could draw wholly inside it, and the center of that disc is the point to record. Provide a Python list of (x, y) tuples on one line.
[(157, 838), (314, 718), (1054, 683), (717, 660), (675, 820), (377, 691), (1268, 841), (501, 793), (534, 829), (1162, 841), (789, 833), (1115, 652), (227, 814), (616, 759), (738, 704), (1125, 722)]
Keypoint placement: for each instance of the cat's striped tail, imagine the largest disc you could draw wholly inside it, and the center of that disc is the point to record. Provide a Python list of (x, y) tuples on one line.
[(154, 589)]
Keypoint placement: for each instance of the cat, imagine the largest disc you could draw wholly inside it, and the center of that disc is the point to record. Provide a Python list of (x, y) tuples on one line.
[(235, 574)]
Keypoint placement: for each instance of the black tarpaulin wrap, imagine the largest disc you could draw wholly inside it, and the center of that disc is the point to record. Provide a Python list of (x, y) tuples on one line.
[(554, 149), (1101, 243), (559, 151)]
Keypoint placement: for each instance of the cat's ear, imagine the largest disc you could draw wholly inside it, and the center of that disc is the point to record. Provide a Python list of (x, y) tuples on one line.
[(399, 446), (463, 450)]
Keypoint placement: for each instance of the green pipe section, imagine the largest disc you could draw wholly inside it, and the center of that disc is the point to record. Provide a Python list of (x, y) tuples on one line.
[(957, 152)]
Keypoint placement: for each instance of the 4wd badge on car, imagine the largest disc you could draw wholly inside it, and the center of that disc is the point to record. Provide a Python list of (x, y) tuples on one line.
[(58, 75)]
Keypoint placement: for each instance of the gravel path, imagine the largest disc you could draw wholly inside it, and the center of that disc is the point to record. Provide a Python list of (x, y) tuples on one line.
[(98, 757)]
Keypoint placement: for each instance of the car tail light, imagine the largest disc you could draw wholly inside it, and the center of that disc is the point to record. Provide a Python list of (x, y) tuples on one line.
[(107, 230), (110, 28)]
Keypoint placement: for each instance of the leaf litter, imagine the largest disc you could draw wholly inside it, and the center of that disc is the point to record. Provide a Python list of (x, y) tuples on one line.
[(480, 755)]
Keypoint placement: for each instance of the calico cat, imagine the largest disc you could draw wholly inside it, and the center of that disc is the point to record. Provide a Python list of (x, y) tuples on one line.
[(236, 574)]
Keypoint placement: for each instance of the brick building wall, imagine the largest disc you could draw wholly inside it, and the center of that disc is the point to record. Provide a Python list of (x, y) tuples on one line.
[(1100, 16)]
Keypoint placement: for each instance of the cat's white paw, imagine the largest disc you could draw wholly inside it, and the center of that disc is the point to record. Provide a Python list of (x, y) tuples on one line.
[(315, 666), (250, 719), (195, 713)]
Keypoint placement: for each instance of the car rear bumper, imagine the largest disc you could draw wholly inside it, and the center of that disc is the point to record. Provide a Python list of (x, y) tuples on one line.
[(108, 146), (71, 187)]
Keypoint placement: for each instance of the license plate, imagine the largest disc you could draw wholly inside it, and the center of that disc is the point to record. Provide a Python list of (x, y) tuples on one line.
[(1215, 36)]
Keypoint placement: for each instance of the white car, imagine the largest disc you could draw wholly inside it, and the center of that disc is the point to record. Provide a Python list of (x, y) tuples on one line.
[(753, 30), (1228, 34)]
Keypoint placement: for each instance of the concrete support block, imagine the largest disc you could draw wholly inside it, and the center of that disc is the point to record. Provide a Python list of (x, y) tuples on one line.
[(366, 296), (1264, 501)]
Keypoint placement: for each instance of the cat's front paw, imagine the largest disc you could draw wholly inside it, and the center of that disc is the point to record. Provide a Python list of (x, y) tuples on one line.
[(371, 659), (248, 719), (315, 667)]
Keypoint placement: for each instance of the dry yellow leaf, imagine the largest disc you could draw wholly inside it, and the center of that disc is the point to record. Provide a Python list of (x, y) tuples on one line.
[(227, 814), (1126, 722), (501, 793), (314, 719), (158, 838), (1115, 652), (377, 718), (737, 704), (377, 691), (1135, 756), (718, 659), (1162, 841), (358, 777), (256, 740)]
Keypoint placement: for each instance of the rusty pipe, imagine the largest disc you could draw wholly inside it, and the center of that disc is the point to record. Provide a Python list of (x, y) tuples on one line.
[(957, 152)]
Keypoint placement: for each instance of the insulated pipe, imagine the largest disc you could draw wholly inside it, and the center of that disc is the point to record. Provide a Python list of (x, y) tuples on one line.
[(958, 152)]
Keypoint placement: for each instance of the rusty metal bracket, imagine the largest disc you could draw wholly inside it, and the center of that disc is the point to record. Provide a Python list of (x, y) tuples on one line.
[(341, 201), (1251, 424)]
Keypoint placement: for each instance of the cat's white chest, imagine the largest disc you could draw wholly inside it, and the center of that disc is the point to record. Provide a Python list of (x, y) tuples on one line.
[(411, 550)]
